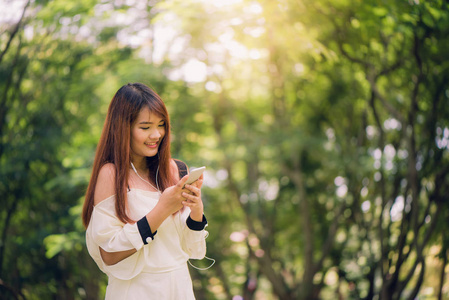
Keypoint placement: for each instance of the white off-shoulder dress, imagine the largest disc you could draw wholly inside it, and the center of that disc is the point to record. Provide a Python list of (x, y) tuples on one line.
[(158, 270)]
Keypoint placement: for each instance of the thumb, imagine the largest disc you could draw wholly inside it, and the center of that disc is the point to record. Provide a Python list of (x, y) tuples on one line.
[(182, 182)]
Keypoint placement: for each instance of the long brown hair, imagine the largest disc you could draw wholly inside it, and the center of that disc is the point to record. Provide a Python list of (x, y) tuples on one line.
[(114, 146)]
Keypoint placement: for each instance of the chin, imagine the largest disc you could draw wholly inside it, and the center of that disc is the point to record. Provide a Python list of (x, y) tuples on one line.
[(152, 154)]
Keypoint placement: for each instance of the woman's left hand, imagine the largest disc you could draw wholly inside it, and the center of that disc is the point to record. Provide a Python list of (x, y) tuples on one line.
[(193, 199)]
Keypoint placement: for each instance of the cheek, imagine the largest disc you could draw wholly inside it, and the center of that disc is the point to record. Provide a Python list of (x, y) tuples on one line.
[(135, 138)]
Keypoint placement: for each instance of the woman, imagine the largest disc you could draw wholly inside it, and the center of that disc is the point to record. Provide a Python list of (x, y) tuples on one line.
[(142, 223)]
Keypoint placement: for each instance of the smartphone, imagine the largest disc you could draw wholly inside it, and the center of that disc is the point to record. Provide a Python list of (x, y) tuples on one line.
[(195, 174)]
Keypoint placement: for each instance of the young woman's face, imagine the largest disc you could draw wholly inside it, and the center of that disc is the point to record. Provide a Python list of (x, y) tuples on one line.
[(147, 133)]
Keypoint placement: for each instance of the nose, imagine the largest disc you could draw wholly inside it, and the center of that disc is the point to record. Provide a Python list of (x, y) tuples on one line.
[(155, 134)]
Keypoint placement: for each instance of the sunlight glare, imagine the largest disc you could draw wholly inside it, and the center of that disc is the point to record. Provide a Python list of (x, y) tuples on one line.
[(397, 208), (254, 8), (162, 36), (442, 138), (366, 205), (364, 191), (342, 191), (192, 71), (238, 236), (10, 11), (222, 3), (213, 87), (339, 181)]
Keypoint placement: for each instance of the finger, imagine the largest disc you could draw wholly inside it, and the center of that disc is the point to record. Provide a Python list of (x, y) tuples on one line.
[(189, 204), (182, 182), (198, 183), (190, 197), (193, 189), (184, 190), (200, 180)]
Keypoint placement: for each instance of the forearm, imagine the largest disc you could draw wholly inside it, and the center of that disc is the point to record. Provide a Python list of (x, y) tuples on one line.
[(194, 235), (111, 258), (196, 215), (154, 218), (157, 216)]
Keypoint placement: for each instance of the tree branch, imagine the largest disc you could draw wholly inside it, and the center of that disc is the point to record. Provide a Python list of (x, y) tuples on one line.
[(11, 290), (327, 245), (298, 181), (420, 281), (14, 32), (266, 266), (419, 250), (443, 272), (393, 111)]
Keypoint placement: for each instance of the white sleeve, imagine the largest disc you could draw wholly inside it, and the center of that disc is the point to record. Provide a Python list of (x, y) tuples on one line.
[(105, 230), (193, 241), (111, 234)]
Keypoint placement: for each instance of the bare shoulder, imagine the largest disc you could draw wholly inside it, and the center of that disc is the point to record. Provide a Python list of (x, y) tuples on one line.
[(174, 167), (105, 186)]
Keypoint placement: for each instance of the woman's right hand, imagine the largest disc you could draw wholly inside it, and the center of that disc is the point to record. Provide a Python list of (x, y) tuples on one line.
[(172, 197)]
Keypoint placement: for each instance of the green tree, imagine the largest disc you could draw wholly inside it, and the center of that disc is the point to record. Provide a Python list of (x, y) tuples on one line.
[(345, 119), (393, 54), (49, 104)]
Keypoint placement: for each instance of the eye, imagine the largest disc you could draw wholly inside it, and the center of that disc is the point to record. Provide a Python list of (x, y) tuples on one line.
[(162, 125), (144, 128)]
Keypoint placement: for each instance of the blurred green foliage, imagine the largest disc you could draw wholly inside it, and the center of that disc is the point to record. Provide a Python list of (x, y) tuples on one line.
[(324, 126)]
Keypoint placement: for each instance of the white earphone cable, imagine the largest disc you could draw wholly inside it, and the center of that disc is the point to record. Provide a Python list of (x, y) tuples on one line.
[(156, 188)]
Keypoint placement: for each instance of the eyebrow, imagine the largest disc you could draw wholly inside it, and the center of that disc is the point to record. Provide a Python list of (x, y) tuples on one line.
[(145, 122)]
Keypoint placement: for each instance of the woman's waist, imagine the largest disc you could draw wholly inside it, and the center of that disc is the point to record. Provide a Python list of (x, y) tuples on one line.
[(173, 266), (161, 257)]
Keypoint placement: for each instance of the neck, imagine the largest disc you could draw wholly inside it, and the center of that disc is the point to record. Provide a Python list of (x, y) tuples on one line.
[(156, 187), (139, 163)]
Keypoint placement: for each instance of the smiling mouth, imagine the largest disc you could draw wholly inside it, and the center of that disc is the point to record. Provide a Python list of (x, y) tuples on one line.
[(152, 145)]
